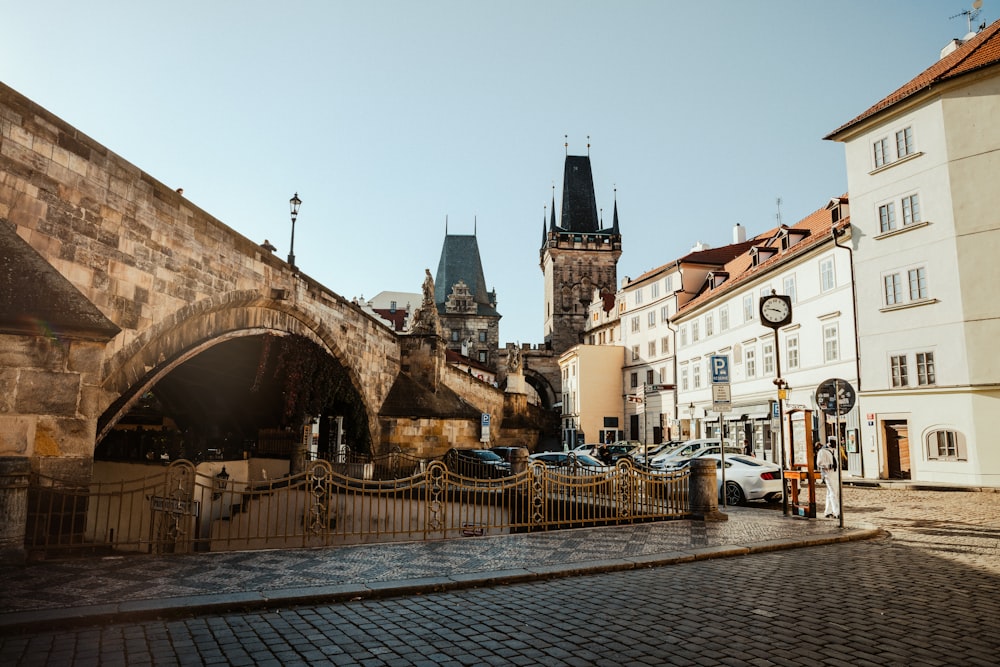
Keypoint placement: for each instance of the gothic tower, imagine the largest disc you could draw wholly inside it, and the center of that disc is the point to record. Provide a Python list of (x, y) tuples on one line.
[(577, 256), (468, 312)]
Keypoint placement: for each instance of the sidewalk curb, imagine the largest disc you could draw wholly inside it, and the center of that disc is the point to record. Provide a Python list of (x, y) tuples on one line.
[(176, 607)]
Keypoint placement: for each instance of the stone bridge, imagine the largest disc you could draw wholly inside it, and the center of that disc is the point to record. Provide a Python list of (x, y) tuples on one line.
[(114, 287)]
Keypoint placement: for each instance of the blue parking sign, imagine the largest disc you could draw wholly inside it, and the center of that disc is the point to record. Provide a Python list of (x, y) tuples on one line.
[(720, 369)]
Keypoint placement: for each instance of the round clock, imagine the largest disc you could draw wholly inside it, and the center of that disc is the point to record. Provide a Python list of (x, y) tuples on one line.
[(775, 310)]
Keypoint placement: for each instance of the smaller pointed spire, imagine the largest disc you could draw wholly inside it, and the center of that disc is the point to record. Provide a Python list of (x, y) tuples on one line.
[(446, 224), (614, 224), (553, 207), (475, 224)]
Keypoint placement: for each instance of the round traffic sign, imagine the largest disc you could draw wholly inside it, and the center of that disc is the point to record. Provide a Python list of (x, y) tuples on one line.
[(835, 396)]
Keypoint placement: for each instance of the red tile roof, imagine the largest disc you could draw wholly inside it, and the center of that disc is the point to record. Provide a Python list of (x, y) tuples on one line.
[(741, 270), (981, 51)]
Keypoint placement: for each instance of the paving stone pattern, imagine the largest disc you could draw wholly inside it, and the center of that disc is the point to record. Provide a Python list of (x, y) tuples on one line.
[(926, 594)]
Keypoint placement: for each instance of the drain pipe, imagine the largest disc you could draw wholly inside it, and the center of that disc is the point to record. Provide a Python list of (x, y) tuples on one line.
[(838, 231)]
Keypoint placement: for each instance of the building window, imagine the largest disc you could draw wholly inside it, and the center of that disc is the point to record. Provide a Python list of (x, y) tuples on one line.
[(684, 336), (918, 283), (665, 345), (946, 445), (668, 284), (649, 377), (893, 289), (788, 285), (651, 319), (831, 342), (695, 335), (897, 364), (768, 357), (654, 290), (638, 296), (634, 380), (925, 368), (904, 142), (635, 352), (724, 318), (684, 379), (652, 349), (792, 351), (696, 375), (827, 277), (664, 313), (709, 325), (482, 336), (911, 210), (663, 374), (881, 150), (750, 359), (482, 356), (454, 336), (634, 321), (748, 311), (887, 217)]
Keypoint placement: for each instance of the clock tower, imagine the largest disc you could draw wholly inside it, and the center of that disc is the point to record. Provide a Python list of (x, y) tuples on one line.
[(578, 255)]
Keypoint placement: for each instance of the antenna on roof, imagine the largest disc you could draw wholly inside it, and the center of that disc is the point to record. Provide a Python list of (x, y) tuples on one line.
[(588, 145), (970, 15), (778, 216), (566, 143)]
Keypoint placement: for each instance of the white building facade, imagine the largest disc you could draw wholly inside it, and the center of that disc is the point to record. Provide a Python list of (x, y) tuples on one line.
[(805, 263), (923, 167)]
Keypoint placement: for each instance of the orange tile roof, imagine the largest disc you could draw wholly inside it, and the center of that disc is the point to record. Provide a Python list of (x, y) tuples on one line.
[(741, 269), (981, 51)]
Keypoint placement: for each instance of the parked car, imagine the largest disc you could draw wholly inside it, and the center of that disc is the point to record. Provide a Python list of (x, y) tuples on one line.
[(653, 450), (682, 451), (506, 453), (568, 460), (587, 449), (747, 478), (731, 450), (478, 463)]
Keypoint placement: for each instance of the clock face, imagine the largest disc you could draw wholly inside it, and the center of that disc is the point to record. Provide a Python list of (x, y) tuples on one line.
[(774, 309)]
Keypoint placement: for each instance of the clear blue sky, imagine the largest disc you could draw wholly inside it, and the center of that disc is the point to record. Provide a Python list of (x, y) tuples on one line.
[(386, 117)]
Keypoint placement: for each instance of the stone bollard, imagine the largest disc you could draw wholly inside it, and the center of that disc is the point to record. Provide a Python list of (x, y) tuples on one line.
[(703, 491), (518, 460), (14, 471)]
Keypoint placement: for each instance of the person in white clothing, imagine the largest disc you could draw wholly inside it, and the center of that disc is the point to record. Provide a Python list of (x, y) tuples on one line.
[(826, 461)]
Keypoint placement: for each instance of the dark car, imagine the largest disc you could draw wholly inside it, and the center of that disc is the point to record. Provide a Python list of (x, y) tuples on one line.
[(506, 453), (478, 463)]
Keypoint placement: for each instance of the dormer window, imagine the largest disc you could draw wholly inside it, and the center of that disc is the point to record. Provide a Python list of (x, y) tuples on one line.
[(716, 278), (759, 255), (790, 237)]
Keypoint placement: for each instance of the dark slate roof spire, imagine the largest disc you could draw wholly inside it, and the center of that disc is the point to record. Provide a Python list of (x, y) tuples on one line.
[(579, 206), (460, 261)]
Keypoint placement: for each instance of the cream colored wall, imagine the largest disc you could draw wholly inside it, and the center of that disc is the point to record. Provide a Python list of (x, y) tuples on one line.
[(599, 387)]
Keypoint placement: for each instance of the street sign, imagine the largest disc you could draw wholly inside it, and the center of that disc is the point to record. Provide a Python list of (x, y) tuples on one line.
[(722, 398), (720, 369), (485, 422), (835, 397)]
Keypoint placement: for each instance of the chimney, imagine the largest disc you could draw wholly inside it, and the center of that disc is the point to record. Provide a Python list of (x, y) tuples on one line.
[(739, 233)]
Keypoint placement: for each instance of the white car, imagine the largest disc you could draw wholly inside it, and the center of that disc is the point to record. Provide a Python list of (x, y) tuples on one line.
[(681, 452), (747, 478)]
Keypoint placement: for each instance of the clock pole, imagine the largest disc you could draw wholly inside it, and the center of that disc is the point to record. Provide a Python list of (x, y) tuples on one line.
[(781, 422)]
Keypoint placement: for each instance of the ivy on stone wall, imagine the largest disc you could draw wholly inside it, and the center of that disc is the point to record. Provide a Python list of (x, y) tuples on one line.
[(312, 383)]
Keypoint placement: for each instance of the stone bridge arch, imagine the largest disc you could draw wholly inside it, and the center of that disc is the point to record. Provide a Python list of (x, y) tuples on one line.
[(154, 353)]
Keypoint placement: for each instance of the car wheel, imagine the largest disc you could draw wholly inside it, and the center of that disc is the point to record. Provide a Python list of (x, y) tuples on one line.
[(734, 494)]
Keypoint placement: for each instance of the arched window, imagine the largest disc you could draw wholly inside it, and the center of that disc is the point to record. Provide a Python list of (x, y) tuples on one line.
[(945, 445)]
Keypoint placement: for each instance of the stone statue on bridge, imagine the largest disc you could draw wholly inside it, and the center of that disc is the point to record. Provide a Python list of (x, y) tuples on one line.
[(425, 318)]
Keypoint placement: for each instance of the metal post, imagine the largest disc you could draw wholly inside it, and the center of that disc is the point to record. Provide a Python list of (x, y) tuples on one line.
[(836, 452), (722, 458), (781, 425)]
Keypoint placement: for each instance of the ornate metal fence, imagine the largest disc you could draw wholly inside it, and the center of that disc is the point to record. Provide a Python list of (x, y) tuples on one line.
[(182, 510)]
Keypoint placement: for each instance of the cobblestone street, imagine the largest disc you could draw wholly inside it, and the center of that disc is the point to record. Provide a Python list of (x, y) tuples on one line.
[(927, 593)]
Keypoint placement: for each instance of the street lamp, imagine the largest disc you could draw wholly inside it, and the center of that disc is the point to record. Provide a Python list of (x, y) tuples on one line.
[(293, 204)]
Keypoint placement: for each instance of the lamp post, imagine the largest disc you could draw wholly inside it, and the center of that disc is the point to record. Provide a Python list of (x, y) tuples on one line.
[(293, 204), (691, 421)]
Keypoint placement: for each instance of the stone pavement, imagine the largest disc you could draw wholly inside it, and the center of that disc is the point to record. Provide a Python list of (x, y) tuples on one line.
[(118, 588)]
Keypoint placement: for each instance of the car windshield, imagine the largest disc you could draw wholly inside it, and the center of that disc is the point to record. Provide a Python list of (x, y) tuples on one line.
[(583, 459), (486, 455)]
